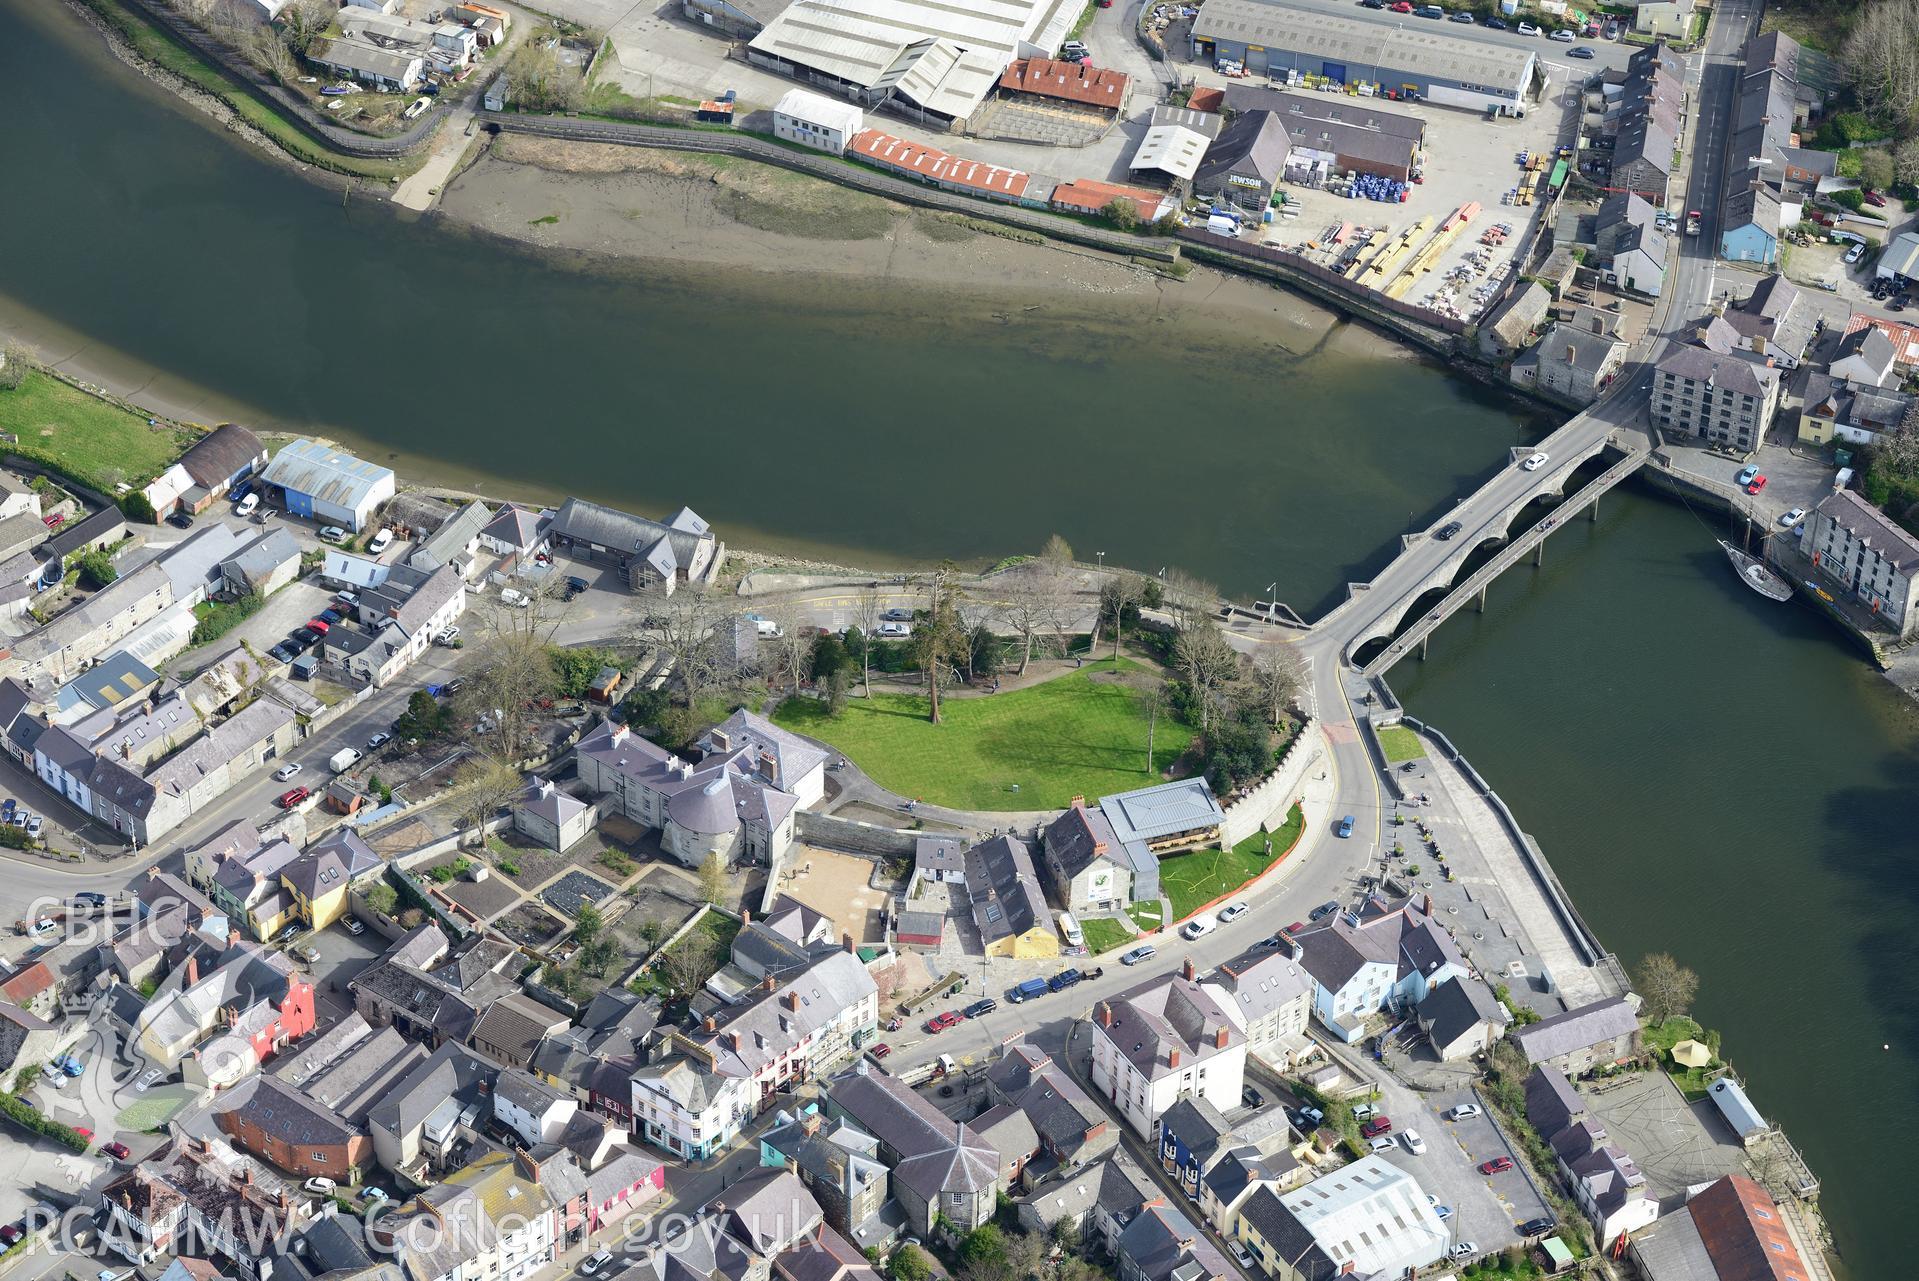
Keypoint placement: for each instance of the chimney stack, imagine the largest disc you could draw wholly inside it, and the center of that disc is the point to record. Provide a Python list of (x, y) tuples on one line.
[(1188, 970), (712, 1024), (1172, 1058), (810, 1123), (768, 983), (233, 937), (1219, 1039), (193, 969), (746, 916), (1105, 1014), (846, 942), (1426, 904), (793, 1001)]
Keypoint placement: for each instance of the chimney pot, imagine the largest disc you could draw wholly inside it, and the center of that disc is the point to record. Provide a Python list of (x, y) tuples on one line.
[(746, 916)]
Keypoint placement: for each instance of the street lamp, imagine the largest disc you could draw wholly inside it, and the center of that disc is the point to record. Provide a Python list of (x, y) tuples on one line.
[(1102, 559)]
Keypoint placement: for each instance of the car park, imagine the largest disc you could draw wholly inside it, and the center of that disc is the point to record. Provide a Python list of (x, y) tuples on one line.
[(943, 1020), (981, 1008), (286, 772), (1535, 461), (1792, 517), (1232, 912), (1446, 532), (1498, 1165), (1143, 952)]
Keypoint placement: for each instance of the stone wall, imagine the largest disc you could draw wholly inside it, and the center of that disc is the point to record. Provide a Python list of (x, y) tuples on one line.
[(867, 839), (1274, 795)]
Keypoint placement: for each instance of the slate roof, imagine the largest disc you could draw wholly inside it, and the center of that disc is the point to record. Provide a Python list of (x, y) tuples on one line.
[(792, 758), (753, 1036), (517, 526), (1403, 936), (515, 1023), (628, 534), (452, 1071), (1577, 1029), (1080, 837), (1259, 983), (451, 540), (1004, 889), (1168, 1014), (936, 1155), (1736, 370), (1452, 1009), (1062, 1113), (1254, 143), (281, 1112), (1163, 1245), (1852, 513)]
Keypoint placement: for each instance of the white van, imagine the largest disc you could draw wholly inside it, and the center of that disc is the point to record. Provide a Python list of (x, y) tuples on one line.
[(1070, 930), (246, 505)]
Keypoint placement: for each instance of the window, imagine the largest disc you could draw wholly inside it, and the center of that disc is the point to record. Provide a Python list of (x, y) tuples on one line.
[(318, 1158)]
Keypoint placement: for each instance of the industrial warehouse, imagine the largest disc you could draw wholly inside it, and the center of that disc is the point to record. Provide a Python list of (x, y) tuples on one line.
[(1309, 47)]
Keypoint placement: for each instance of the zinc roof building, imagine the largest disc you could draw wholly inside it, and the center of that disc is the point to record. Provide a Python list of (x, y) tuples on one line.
[(933, 62), (324, 483), (1418, 61)]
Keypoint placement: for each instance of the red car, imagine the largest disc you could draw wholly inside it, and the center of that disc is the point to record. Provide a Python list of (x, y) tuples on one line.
[(319, 625), (1874, 199), (293, 796), (11, 1233), (940, 1022), (1296, 928), (1377, 1126), (1497, 1165), (1756, 484), (1404, 6), (881, 1050), (53, 522), (118, 1151), (83, 1132)]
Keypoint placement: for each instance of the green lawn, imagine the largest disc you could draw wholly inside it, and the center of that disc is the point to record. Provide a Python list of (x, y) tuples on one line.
[(1104, 934), (1070, 736), (1193, 880), (1145, 915), (1400, 744), (84, 436), (1661, 1037), (716, 925)]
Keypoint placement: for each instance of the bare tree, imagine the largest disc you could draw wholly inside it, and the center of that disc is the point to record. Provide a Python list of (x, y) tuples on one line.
[(1209, 665), (1882, 59), (692, 630), (1119, 596), (1057, 552), (482, 787), (1151, 688), (685, 966), (513, 674), (1187, 597), (1276, 675), (1905, 161), (303, 21), (867, 606), (1666, 986), (795, 640), (1024, 605)]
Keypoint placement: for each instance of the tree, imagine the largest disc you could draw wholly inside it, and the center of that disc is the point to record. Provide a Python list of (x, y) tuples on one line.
[(538, 81), (908, 1264), (1882, 59), (792, 643), (587, 923), (983, 652), (939, 638), (1152, 691), (1187, 597), (1239, 749), (382, 898), (1905, 162), (96, 569), (1120, 598), (424, 718), (1026, 597), (481, 787), (1208, 664), (303, 22), (1276, 674), (1025, 1255), (514, 673), (867, 606), (691, 629), (982, 1254), (598, 956), (1875, 168), (713, 879), (135, 506), (1666, 986), (1122, 213), (685, 967)]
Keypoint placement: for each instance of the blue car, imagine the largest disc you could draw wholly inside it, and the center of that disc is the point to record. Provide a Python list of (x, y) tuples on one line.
[(1346, 826)]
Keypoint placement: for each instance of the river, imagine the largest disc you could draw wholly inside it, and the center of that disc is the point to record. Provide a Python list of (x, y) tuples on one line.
[(1710, 773)]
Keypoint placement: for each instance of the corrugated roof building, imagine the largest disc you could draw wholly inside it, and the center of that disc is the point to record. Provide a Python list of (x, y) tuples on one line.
[(327, 484)]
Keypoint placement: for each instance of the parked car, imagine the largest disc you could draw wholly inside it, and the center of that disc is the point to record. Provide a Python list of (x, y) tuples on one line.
[(897, 615), (1414, 1144), (1533, 1227), (309, 954), (447, 637), (1372, 4), (1379, 1144), (1027, 989), (1249, 1097), (1564, 35), (303, 638), (943, 1020), (1198, 927), (1855, 253), (373, 1194), (1346, 827), (1535, 461), (1873, 198), (1446, 532), (332, 534), (1466, 1250), (1756, 484), (330, 616), (347, 598), (286, 772), (1463, 16), (148, 1079), (1323, 911), (1403, 6), (981, 1008), (574, 586), (1443, 1210), (1527, 29), (293, 796), (1143, 952), (1429, 11), (118, 1151), (378, 741), (283, 653), (83, 1132), (1745, 476), (11, 1233), (1792, 517), (1495, 24), (1295, 929), (1377, 1126), (1464, 1112), (1581, 52), (35, 825), (593, 1265), (894, 630), (353, 925), (1063, 980), (381, 541), (881, 1050), (1232, 912), (92, 898), (320, 1186), (1498, 1165), (179, 518)]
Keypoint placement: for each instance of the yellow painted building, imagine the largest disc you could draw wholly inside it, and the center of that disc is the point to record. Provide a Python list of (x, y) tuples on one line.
[(1008, 905), (317, 883)]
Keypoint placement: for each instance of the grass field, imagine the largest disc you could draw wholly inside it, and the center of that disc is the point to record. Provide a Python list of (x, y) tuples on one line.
[(1103, 935), (91, 440), (1145, 915), (1080, 734), (1400, 744), (1190, 881)]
